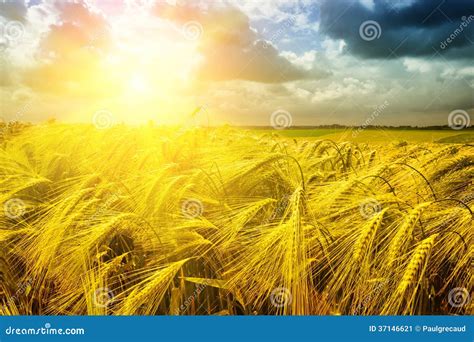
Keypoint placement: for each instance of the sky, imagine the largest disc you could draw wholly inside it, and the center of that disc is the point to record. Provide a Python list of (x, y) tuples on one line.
[(349, 62)]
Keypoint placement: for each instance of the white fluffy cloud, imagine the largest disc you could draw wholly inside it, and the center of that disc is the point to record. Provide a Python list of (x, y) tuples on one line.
[(252, 58)]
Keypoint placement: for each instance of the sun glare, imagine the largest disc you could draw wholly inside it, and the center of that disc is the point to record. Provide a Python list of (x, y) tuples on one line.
[(139, 84), (146, 71)]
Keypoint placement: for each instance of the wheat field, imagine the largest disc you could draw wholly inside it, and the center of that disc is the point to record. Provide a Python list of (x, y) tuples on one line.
[(222, 221)]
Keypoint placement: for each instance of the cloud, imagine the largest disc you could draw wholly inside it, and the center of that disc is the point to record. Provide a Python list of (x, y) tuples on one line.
[(416, 29), (258, 61), (250, 59), (415, 64), (80, 14), (68, 57), (13, 10), (233, 50)]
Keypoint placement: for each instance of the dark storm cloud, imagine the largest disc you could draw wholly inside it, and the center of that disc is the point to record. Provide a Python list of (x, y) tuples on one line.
[(413, 30)]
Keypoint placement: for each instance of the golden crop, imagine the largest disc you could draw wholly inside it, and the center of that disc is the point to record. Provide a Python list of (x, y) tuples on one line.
[(222, 221)]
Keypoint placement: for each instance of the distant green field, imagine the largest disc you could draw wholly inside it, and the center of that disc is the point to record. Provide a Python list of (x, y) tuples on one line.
[(377, 136), (458, 138)]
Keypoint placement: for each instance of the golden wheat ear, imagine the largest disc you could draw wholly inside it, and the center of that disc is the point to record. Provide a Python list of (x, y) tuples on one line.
[(401, 302)]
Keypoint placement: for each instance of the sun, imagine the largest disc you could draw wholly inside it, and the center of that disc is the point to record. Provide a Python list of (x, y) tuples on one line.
[(139, 84), (142, 69), (152, 74)]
